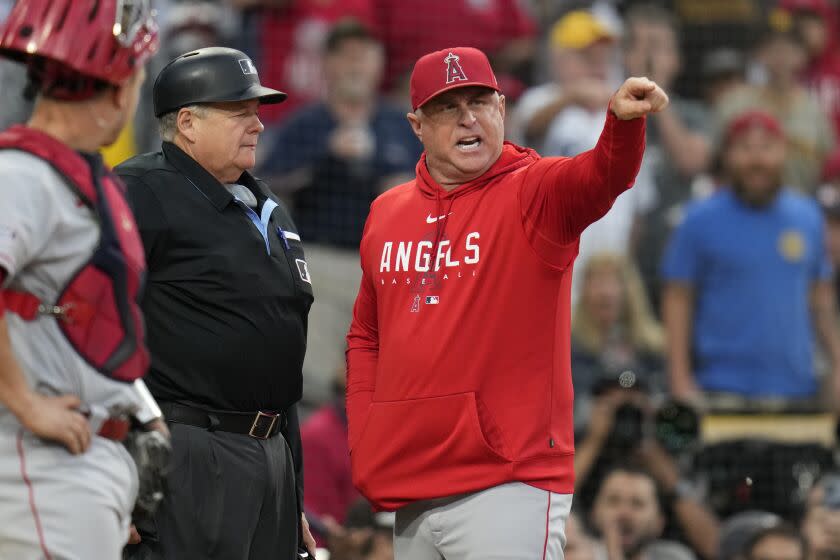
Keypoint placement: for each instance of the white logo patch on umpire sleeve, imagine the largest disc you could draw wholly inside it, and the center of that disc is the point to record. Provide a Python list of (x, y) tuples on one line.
[(303, 269), (247, 66)]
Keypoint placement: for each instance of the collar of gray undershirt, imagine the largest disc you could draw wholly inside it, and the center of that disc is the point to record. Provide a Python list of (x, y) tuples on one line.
[(243, 194)]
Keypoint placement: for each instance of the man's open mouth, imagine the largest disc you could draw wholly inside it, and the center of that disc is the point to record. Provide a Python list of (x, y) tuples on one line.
[(469, 143)]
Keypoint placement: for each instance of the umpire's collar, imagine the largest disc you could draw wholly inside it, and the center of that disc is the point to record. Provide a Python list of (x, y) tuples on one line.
[(209, 186)]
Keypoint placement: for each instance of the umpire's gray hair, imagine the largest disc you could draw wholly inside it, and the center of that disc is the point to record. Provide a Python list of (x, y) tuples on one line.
[(168, 123)]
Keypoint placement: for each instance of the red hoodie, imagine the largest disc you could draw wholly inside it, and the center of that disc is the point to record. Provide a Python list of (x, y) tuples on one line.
[(458, 353)]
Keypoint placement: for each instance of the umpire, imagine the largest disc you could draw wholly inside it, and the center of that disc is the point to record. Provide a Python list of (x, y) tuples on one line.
[(226, 310)]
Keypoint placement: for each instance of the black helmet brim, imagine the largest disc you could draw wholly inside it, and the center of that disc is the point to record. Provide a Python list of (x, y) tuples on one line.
[(266, 95)]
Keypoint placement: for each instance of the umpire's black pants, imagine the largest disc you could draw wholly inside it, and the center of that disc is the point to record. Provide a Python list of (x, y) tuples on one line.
[(231, 497)]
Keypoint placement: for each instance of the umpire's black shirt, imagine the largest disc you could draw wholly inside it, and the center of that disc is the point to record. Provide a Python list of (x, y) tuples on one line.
[(225, 318)]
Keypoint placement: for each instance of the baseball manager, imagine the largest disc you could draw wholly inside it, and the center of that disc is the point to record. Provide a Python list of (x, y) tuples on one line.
[(459, 393)]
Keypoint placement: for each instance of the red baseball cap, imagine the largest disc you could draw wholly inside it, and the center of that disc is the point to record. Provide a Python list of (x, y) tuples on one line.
[(751, 119), (448, 69)]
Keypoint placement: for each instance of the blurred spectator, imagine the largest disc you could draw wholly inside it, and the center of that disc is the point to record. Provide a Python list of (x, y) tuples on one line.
[(630, 517), (286, 39), (814, 21), (746, 276), (740, 529), (15, 109), (330, 490), (678, 147), (503, 29), (723, 71), (332, 159), (367, 536), (781, 542), (821, 524), (613, 328), (809, 132), (828, 196), (581, 52), (708, 24), (188, 25)]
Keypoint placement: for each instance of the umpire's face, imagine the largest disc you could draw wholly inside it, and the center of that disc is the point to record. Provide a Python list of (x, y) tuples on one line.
[(223, 137), (462, 131)]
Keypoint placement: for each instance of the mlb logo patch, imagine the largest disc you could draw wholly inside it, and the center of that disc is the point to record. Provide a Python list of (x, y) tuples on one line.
[(303, 270), (247, 66), (432, 300)]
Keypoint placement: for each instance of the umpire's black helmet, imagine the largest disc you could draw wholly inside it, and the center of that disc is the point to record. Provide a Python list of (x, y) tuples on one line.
[(208, 75)]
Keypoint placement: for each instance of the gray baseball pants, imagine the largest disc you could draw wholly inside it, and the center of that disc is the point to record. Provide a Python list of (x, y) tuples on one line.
[(58, 506), (512, 521)]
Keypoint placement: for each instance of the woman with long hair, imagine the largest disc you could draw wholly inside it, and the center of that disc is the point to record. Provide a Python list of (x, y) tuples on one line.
[(613, 327)]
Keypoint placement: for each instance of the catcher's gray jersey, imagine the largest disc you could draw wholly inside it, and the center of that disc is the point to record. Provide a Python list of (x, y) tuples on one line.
[(53, 504)]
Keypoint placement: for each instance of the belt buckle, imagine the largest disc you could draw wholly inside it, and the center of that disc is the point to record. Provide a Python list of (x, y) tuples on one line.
[(267, 433)]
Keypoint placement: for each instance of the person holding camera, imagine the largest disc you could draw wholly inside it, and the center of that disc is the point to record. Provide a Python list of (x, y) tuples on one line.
[(613, 330), (620, 431)]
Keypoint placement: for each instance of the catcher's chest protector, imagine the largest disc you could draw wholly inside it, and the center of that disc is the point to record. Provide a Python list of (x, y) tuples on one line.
[(97, 311)]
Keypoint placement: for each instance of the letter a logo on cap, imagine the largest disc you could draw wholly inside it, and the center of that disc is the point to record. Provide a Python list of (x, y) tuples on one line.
[(454, 72)]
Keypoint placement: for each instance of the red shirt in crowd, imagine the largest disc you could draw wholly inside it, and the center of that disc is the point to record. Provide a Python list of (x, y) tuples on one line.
[(329, 488), (291, 47), (823, 79), (822, 75), (412, 28), (458, 353)]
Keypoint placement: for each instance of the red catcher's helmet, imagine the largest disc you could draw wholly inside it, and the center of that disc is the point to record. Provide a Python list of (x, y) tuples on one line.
[(105, 40)]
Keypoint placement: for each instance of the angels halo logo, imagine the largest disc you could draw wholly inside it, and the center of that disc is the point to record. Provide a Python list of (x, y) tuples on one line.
[(454, 72)]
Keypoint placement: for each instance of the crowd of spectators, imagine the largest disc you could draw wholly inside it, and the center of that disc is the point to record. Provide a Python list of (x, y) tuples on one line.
[(711, 285)]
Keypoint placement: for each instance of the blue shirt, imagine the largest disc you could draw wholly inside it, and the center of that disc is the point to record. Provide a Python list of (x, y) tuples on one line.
[(751, 270), (333, 205)]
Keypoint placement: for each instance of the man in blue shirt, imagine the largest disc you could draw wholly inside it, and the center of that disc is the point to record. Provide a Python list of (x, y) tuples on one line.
[(748, 281), (333, 158)]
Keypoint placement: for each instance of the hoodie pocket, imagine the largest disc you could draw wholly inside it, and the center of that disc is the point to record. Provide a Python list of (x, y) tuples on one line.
[(413, 447)]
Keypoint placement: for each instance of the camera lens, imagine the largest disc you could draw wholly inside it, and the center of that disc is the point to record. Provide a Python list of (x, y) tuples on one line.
[(677, 426), (627, 431)]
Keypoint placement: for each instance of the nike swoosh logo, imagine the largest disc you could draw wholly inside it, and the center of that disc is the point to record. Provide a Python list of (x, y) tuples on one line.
[(430, 220)]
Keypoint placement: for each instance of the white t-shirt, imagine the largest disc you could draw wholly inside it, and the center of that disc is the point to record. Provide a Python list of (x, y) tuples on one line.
[(575, 130), (529, 103), (46, 235)]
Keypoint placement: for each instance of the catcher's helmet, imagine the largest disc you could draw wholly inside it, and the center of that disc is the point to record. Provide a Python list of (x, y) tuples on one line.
[(79, 40), (209, 75)]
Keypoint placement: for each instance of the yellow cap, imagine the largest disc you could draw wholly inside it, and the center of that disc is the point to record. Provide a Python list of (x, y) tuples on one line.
[(577, 30)]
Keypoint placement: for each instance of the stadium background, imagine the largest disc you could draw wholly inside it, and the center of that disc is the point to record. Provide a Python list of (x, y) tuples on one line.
[(342, 138)]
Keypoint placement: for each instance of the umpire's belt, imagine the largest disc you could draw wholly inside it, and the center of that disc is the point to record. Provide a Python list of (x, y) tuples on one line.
[(259, 425)]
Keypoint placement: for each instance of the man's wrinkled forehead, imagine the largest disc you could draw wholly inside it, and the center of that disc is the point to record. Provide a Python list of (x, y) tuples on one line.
[(457, 95)]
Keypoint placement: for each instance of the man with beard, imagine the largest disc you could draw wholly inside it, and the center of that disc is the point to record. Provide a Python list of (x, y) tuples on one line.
[(747, 280), (628, 514)]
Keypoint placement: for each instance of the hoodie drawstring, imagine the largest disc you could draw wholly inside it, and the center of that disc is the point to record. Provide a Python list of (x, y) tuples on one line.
[(440, 225)]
